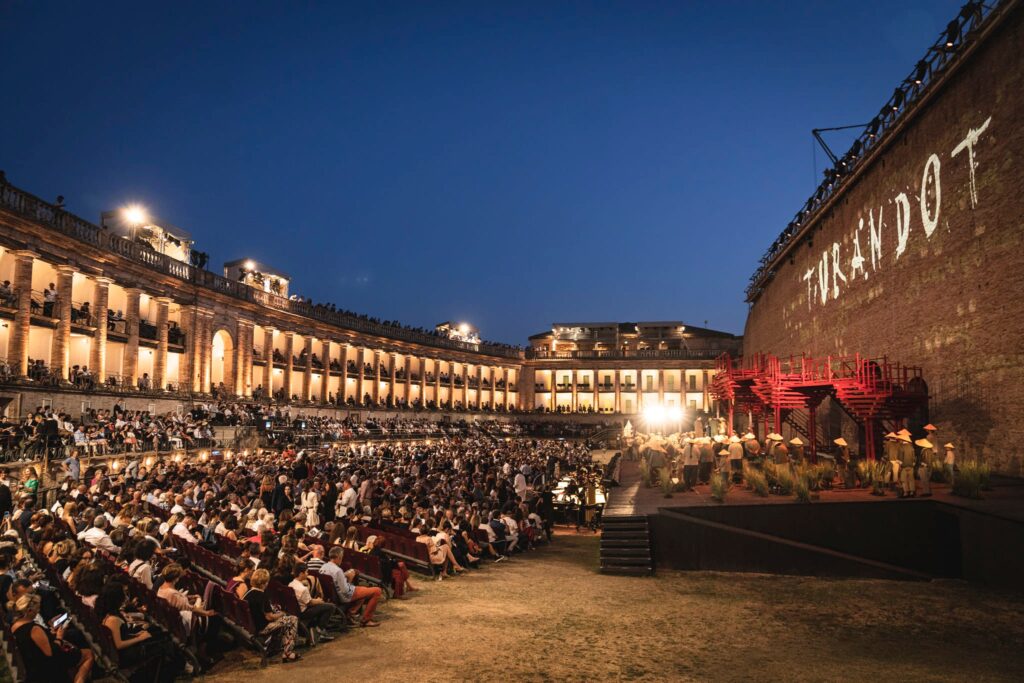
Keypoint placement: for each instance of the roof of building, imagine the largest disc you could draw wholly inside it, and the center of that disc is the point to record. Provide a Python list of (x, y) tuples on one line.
[(633, 328)]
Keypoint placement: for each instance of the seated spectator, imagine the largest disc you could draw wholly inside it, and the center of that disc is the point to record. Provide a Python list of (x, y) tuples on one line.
[(137, 645), (269, 620), (47, 656), (140, 567), (239, 583), (97, 535), (393, 571), (204, 624), (313, 612), (353, 596)]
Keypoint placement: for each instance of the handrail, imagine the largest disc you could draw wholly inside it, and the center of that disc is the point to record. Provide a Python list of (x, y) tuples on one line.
[(56, 218), (945, 51)]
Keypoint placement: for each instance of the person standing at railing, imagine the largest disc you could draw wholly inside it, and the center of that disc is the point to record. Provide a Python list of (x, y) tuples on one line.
[(49, 299), (7, 295)]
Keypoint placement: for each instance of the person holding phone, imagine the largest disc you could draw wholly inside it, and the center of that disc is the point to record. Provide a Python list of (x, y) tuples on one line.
[(48, 657)]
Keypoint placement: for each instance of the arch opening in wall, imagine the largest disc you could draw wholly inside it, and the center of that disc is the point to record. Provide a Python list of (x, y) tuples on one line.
[(221, 359)]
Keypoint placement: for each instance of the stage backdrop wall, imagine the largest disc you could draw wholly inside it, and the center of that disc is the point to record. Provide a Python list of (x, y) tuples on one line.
[(921, 259)]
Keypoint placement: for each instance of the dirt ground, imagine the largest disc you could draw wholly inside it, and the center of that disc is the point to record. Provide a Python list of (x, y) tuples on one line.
[(550, 616)]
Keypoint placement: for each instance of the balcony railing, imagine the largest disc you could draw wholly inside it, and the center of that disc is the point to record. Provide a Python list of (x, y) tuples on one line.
[(620, 354), (36, 209)]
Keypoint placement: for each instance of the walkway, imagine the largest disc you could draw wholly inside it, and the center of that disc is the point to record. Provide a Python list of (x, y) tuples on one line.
[(552, 617)]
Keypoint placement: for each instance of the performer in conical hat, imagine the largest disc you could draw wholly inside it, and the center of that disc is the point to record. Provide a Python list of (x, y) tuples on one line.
[(843, 463), (924, 469), (949, 462), (796, 448), (892, 459), (736, 459), (905, 450)]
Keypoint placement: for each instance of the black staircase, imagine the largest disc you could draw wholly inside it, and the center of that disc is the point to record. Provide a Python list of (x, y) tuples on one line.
[(626, 546)]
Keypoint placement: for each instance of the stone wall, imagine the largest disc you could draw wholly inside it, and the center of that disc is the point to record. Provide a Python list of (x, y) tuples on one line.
[(921, 258)]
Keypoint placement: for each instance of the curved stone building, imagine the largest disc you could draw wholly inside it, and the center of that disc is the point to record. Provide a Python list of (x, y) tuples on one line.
[(127, 303)]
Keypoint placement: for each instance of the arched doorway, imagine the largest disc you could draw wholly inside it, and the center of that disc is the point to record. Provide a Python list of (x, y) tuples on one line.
[(222, 361)]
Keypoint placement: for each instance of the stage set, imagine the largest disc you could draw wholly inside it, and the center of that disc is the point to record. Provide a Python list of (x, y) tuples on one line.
[(848, 527)]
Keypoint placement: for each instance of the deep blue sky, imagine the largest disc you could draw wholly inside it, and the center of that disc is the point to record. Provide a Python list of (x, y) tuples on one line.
[(510, 164)]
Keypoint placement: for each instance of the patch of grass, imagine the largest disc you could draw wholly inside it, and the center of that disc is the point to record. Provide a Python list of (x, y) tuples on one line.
[(784, 481), (665, 474), (866, 471), (802, 488), (719, 487), (826, 473), (757, 481), (971, 478)]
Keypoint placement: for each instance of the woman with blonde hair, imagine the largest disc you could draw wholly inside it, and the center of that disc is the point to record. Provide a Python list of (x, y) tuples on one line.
[(67, 515), (46, 655), (267, 619)]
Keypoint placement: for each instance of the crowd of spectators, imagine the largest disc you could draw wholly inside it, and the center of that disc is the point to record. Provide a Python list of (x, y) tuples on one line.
[(164, 568)]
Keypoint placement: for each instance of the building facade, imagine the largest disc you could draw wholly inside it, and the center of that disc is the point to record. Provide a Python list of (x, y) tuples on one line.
[(121, 315), (614, 367), (915, 253)]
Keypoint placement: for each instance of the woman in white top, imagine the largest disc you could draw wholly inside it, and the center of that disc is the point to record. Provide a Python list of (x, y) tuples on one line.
[(140, 568), (310, 502)]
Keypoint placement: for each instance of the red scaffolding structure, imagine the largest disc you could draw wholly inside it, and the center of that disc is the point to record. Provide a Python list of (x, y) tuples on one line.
[(872, 391)]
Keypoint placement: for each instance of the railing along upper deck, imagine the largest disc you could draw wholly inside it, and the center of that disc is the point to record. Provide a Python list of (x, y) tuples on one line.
[(29, 206)]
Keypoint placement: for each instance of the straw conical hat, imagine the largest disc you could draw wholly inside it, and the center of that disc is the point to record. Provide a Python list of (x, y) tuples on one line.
[(930, 428), (950, 446), (719, 438), (795, 441), (734, 439), (904, 437), (890, 435), (923, 443), (748, 436), (840, 441), (903, 432), (774, 437), (724, 451)]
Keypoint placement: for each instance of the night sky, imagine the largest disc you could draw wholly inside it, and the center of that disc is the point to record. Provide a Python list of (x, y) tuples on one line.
[(508, 164)]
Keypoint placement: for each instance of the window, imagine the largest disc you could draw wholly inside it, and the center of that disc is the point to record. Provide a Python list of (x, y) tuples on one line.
[(670, 383), (693, 382), (693, 405), (650, 383), (627, 405)]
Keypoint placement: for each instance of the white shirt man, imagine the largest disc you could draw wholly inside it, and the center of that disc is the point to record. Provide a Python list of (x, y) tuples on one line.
[(181, 531), (97, 536), (346, 500)]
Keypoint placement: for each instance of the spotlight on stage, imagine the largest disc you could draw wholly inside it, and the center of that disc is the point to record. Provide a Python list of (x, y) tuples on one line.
[(654, 414)]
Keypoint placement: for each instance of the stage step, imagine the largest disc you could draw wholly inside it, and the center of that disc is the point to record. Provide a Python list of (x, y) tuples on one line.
[(614, 534), (626, 571), (626, 546)]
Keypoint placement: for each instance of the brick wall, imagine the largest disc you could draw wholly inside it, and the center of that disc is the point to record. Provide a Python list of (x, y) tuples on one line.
[(949, 298)]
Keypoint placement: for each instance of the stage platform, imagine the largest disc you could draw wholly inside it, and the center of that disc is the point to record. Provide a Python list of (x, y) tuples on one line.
[(843, 533), (1006, 499)]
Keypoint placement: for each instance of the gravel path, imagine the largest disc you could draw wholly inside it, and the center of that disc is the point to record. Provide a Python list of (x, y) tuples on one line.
[(551, 617)]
